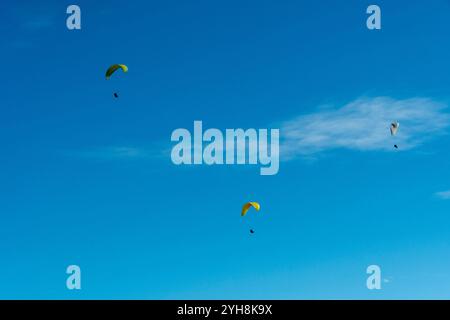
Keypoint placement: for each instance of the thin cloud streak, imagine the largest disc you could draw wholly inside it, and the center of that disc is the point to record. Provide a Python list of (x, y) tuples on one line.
[(444, 195), (361, 125), (116, 153), (38, 23)]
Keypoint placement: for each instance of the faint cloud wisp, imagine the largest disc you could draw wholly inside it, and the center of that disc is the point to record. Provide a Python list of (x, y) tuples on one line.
[(444, 195), (114, 153), (38, 23), (364, 125)]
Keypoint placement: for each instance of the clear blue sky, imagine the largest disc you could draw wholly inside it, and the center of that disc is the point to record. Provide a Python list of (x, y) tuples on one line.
[(87, 179)]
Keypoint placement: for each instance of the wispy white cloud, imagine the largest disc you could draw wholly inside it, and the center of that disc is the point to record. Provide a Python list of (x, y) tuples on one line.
[(39, 22), (364, 125), (387, 280), (360, 125), (444, 195), (116, 153)]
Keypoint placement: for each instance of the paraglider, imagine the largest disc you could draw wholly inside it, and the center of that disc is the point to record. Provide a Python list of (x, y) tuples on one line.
[(248, 205), (394, 128), (114, 68)]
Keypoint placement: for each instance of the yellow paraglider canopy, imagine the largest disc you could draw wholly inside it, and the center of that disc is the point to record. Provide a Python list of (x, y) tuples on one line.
[(114, 68), (248, 205)]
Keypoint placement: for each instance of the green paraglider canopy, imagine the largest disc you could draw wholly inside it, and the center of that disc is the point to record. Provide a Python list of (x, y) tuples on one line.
[(114, 68)]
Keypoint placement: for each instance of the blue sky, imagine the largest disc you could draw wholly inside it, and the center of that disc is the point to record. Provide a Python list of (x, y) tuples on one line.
[(87, 179)]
